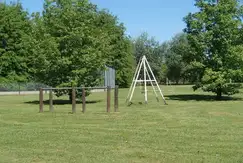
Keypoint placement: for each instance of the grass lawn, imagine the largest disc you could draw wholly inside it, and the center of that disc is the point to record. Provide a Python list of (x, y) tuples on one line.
[(192, 128)]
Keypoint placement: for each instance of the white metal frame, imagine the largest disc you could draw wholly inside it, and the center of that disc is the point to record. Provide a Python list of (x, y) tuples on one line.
[(146, 73)]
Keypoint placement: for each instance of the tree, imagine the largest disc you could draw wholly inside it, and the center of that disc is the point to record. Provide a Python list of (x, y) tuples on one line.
[(214, 37), (72, 49), (120, 54), (176, 67), (75, 41), (14, 32), (164, 50), (154, 52)]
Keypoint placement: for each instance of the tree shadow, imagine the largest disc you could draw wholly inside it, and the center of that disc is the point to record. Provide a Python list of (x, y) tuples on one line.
[(62, 102), (197, 97)]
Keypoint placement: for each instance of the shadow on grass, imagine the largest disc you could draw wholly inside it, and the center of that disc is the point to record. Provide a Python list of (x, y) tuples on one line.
[(63, 102), (197, 97)]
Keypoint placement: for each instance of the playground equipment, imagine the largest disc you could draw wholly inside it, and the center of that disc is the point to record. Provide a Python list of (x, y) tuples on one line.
[(146, 76)]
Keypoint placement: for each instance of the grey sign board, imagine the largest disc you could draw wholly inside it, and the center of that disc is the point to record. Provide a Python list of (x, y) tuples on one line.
[(110, 76)]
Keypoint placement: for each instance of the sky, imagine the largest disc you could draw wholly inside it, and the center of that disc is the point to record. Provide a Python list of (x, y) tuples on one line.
[(161, 19)]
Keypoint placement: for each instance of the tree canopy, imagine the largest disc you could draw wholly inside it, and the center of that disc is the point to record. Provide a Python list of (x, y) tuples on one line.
[(214, 34), (69, 44), (14, 31), (176, 67), (154, 52)]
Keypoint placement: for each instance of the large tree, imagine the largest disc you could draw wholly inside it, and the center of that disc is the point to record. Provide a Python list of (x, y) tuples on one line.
[(214, 36), (74, 42), (15, 30)]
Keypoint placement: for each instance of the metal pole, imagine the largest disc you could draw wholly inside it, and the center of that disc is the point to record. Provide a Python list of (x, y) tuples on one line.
[(133, 80), (152, 85), (156, 82), (41, 100), (134, 86), (145, 84)]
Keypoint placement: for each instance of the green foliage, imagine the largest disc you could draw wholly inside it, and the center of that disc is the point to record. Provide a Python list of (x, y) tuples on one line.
[(119, 52), (68, 45), (14, 31), (166, 59), (77, 45), (74, 42), (163, 72), (154, 52), (216, 82), (178, 47), (214, 36)]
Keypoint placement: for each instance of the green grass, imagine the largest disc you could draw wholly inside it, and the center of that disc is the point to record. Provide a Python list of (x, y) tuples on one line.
[(189, 129)]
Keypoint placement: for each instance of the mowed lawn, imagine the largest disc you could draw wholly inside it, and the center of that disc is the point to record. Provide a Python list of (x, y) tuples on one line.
[(192, 128)]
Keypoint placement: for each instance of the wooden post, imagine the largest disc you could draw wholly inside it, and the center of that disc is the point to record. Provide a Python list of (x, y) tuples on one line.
[(83, 101), (41, 100), (116, 98), (108, 99), (73, 100), (19, 88), (51, 101)]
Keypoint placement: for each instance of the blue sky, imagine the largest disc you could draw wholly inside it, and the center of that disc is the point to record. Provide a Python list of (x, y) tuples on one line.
[(160, 18)]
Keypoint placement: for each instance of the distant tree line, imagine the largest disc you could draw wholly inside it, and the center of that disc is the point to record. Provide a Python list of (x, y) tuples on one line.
[(70, 42), (166, 59), (208, 53)]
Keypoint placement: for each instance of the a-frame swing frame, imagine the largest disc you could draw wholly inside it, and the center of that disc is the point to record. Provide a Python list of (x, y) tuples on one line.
[(146, 73)]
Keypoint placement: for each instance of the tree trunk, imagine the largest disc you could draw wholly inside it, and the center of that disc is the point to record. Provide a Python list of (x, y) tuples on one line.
[(70, 97), (219, 94)]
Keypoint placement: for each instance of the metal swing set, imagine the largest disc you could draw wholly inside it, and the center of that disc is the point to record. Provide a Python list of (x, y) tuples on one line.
[(147, 72)]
